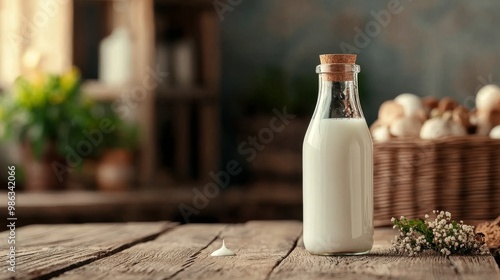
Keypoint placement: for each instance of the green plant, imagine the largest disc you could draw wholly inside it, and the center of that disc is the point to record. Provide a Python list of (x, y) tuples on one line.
[(124, 136), (442, 235), (46, 108)]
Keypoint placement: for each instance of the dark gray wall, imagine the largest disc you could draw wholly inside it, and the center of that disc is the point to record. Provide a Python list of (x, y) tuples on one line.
[(440, 48)]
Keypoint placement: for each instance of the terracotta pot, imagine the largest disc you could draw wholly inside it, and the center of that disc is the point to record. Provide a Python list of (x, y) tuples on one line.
[(84, 178), (39, 174), (115, 171)]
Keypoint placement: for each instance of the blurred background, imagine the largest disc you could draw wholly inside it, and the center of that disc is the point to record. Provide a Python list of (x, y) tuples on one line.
[(163, 109)]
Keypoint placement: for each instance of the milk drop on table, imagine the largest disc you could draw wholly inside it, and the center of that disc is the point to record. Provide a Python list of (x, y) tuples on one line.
[(338, 165)]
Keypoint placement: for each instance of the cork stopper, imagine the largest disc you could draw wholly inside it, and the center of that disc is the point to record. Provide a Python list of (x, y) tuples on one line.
[(338, 72), (337, 58)]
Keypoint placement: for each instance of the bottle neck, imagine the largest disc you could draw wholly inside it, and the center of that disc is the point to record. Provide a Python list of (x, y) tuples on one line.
[(338, 99)]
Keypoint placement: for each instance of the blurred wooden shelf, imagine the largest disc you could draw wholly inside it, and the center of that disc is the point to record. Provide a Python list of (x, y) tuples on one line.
[(262, 201), (192, 94), (103, 92), (232, 205), (187, 106), (190, 113), (184, 3)]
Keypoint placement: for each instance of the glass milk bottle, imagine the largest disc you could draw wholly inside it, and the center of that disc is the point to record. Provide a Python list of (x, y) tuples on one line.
[(337, 163)]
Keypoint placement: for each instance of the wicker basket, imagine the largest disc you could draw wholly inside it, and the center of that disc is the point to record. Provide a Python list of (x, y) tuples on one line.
[(459, 174)]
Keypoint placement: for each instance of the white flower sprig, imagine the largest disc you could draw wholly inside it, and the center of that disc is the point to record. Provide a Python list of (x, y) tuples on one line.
[(441, 234)]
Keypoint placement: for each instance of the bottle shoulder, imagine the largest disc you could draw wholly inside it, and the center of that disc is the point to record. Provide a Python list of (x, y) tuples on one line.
[(337, 129)]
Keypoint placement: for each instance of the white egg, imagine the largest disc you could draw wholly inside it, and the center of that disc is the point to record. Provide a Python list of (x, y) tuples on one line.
[(381, 134), (495, 132), (439, 128), (411, 103), (406, 127), (488, 97)]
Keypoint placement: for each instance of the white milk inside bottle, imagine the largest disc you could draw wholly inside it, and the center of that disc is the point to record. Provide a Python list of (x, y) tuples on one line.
[(338, 165)]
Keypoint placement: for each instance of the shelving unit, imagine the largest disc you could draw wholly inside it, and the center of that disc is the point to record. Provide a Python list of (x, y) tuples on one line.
[(101, 92), (182, 117), (137, 18), (179, 119), (188, 114)]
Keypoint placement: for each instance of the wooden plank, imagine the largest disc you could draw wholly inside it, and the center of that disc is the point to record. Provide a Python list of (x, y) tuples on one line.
[(475, 267), (266, 201), (380, 263), (209, 24), (259, 247), (182, 134), (265, 250), (141, 23), (208, 142), (100, 91), (161, 258), (46, 251), (184, 3)]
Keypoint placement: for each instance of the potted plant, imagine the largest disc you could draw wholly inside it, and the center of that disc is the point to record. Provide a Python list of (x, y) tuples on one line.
[(116, 170), (47, 115)]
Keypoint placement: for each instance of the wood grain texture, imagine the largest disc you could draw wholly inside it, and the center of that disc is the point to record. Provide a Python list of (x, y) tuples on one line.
[(381, 263), (259, 246), (264, 250), (44, 251), (161, 258), (475, 267)]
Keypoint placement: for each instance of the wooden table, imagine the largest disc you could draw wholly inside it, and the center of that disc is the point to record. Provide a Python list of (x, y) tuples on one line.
[(265, 250)]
